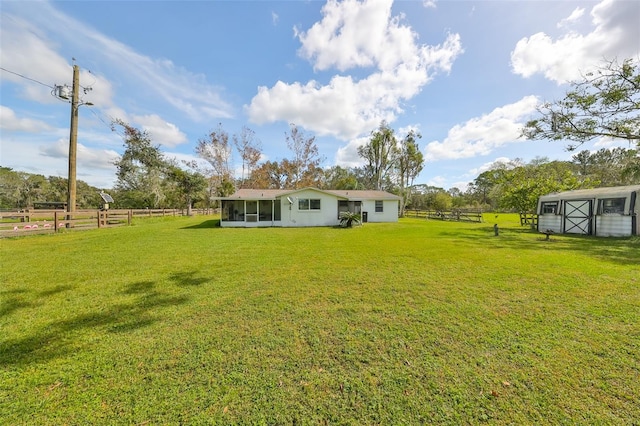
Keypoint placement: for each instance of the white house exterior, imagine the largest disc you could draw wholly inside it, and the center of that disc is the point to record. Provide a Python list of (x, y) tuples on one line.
[(252, 208), (604, 212)]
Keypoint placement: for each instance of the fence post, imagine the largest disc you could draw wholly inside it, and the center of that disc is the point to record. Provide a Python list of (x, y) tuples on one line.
[(55, 221), (129, 216)]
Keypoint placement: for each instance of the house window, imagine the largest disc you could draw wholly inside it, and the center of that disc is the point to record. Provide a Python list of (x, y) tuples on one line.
[(549, 208), (309, 204), (379, 206), (612, 206)]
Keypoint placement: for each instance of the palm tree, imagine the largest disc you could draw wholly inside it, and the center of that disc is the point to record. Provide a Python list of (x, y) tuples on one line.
[(347, 219)]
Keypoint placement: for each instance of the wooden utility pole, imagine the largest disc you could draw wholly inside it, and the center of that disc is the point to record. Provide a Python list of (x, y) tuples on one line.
[(73, 144)]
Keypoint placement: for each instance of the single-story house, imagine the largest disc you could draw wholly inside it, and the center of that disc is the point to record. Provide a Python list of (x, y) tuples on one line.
[(304, 207), (604, 212)]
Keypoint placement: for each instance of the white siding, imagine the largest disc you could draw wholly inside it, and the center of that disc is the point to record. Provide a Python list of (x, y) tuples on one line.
[(326, 216), (389, 211), (550, 221), (614, 225)]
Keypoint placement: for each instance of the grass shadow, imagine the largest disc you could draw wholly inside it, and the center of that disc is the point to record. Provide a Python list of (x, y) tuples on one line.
[(187, 279), (57, 289), (12, 304), (63, 337), (213, 223)]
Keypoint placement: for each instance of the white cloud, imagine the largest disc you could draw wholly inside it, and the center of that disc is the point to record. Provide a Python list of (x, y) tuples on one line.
[(429, 3), (87, 158), (10, 122), (161, 132), (347, 156), (275, 18), (575, 15), (615, 34), (355, 34), (29, 48), (488, 166), (481, 135)]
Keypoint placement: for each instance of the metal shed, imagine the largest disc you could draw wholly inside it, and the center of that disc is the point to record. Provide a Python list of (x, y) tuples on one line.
[(604, 212)]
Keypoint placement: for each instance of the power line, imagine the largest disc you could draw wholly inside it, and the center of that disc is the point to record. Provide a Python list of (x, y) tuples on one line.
[(27, 78)]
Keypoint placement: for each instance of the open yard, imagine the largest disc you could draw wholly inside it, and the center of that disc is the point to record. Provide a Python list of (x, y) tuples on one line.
[(421, 322)]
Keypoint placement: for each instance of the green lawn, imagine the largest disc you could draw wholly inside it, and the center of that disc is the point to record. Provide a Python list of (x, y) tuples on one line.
[(421, 322)]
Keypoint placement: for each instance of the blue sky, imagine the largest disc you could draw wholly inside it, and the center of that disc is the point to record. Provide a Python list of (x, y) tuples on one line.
[(465, 74)]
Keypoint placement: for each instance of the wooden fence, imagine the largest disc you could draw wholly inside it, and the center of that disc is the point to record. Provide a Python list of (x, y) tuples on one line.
[(14, 223), (530, 219), (455, 215)]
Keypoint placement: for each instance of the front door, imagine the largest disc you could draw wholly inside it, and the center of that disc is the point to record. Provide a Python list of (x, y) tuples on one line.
[(577, 217)]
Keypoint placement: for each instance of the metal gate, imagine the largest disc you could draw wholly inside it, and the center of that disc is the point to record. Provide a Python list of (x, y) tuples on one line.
[(577, 217)]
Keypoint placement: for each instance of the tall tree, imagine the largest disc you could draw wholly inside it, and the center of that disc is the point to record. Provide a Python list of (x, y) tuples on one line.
[(608, 167), (250, 151), (304, 168), (190, 185), (379, 155), (141, 169), (216, 150), (409, 164), (605, 103)]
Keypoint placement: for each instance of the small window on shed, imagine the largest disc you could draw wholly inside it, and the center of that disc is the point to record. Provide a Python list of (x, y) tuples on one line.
[(379, 206), (612, 206), (550, 208)]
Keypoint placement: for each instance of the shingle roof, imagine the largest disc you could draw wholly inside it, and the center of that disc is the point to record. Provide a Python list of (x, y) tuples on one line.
[(270, 194)]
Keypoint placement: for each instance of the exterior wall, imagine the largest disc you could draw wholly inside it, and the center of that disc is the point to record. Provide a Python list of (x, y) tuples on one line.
[(240, 211), (389, 211), (292, 216), (550, 221), (604, 224), (614, 225)]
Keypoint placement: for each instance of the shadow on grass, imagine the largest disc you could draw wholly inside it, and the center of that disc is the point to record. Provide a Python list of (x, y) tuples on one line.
[(213, 223), (187, 279), (621, 250), (60, 338), (13, 300), (12, 304)]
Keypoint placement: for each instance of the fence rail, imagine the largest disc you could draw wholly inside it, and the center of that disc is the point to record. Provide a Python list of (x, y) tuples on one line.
[(455, 215), (14, 223), (530, 219)]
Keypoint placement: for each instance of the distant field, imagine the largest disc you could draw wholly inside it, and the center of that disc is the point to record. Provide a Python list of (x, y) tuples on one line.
[(175, 321)]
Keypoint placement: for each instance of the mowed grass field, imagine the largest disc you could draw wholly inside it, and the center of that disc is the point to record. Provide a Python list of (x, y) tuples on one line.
[(175, 321)]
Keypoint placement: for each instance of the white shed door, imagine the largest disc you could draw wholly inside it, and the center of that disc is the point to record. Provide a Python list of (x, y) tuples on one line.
[(577, 217)]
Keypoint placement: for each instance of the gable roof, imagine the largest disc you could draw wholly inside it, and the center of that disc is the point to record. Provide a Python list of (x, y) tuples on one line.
[(272, 194), (614, 191)]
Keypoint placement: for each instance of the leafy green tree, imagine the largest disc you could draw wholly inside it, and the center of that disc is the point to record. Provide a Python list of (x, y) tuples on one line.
[(605, 103), (379, 155), (409, 164), (523, 185), (608, 167), (10, 183), (190, 185), (140, 171), (338, 177)]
